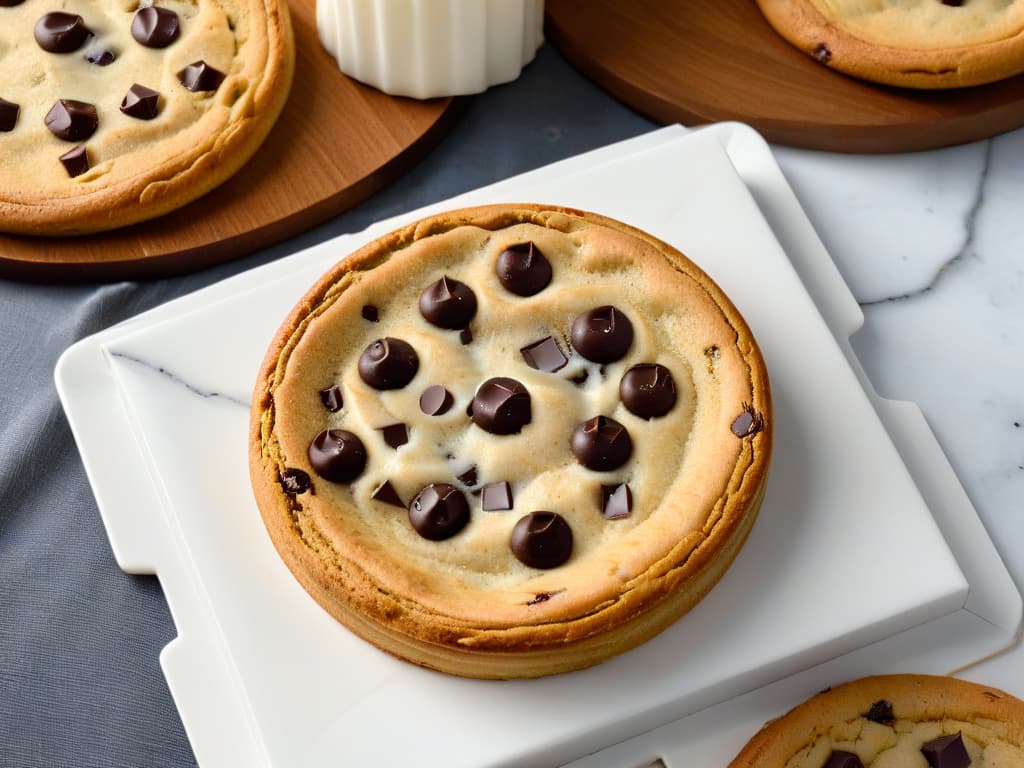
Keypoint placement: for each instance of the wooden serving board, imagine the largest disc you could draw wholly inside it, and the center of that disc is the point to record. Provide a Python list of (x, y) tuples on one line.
[(336, 143), (701, 61)]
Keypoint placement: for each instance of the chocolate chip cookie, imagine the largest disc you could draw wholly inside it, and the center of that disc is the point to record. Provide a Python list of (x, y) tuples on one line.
[(895, 721), (511, 441), (115, 111)]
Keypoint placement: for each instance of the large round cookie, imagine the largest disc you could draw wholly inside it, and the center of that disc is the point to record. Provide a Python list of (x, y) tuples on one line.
[(894, 721), (114, 112), (511, 441), (913, 43)]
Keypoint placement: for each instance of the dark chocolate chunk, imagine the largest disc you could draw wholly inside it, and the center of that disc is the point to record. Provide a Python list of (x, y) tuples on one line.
[(439, 511), (542, 540), (388, 364), (332, 399), (72, 120), (75, 161), (436, 400), (748, 423), (370, 313), (395, 435), (101, 58), (523, 269), (200, 76), (156, 27), (466, 335), (8, 115), (337, 455), (841, 759), (501, 406), (822, 53), (496, 497), (881, 712), (616, 501), (601, 444), (448, 304), (469, 477), (140, 102), (603, 334), (946, 752), (295, 481), (387, 494), (544, 355), (60, 32), (648, 390)]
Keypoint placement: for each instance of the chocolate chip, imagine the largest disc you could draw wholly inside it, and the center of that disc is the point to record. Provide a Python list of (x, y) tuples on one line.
[(648, 390), (946, 752), (465, 335), (580, 378), (370, 313), (542, 540), (448, 304), (748, 423), (200, 76), (337, 455), (436, 400), (8, 115), (822, 53), (953, 3), (388, 364), (616, 501), (881, 712), (523, 269), (10, 3), (60, 32), (156, 27), (75, 161), (295, 481), (101, 58), (841, 759), (469, 477), (601, 444), (439, 511), (140, 102), (544, 355), (603, 334), (501, 406), (331, 398), (540, 597), (386, 494), (496, 497), (395, 435), (72, 120)]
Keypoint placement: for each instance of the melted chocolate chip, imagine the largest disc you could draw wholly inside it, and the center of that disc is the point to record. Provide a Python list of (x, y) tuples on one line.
[(337, 455), (8, 115), (542, 540), (544, 355), (822, 53), (140, 102), (603, 334), (200, 76), (540, 597), (75, 161), (436, 400), (469, 477), (295, 481), (332, 399), (946, 752), (395, 435), (439, 511), (466, 335), (501, 406), (388, 364), (748, 423), (386, 494), (370, 313), (523, 270), (72, 120), (156, 27), (616, 501), (841, 759), (496, 497), (648, 390), (60, 32), (101, 58), (601, 444), (881, 712), (448, 304)]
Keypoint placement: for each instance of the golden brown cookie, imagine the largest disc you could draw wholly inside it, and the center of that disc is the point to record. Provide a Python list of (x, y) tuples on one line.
[(895, 721), (511, 441), (114, 111), (913, 43)]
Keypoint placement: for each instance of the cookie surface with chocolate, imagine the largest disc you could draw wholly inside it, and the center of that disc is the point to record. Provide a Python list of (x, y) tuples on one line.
[(533, 437), (915, 44), (115, 112), (894, 721)]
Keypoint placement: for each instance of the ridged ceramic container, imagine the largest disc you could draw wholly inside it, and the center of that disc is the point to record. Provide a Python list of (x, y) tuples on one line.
[(428, 48)]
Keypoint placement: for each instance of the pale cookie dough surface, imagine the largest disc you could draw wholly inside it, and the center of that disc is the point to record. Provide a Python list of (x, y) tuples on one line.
[(688, 471), (139, 168), (924, 708)]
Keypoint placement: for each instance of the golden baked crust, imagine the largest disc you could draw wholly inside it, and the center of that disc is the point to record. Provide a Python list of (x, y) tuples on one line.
[(140, 169), (854, 718), (466, 605), (916, 44)]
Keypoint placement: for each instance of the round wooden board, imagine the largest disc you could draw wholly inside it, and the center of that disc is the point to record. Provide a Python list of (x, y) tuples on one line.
[(336, 143), (702, 61)]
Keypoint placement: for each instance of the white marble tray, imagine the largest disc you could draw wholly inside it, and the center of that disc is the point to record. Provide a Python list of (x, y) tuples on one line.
[(262, 676)]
